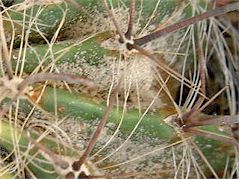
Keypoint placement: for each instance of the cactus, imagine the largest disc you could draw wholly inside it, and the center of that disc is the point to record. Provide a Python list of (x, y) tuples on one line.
[(139, 47), (152, 124), (44, 169), (49, 16)]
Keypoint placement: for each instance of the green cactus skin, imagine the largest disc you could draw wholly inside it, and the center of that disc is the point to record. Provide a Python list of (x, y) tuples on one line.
[(6, 140), (152, 125), (52, 14)]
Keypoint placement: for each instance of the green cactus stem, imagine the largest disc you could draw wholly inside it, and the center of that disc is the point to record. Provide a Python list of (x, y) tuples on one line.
[(6, 140), (92, 52), (48, 16), (152, 124)]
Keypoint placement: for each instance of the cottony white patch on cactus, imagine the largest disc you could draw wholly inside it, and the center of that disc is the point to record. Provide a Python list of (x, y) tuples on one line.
[(139, 77)]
